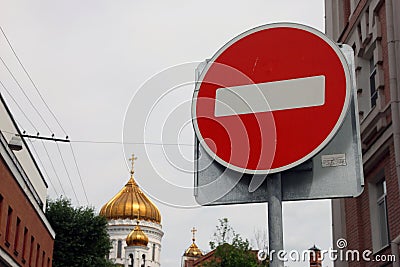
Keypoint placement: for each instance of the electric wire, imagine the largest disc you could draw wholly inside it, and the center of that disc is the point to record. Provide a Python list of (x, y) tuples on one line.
[(19, 107), (20, 127), (31, 80), (130, 143), (46, 152), (22, 90), (79, 173), (54, 169), (44, 168), (47, 106), (123, 143), (66, 170), (37, 155), (31, 143), (58, 122)]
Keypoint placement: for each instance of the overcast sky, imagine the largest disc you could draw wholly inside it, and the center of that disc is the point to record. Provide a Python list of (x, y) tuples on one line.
[(92, 61)]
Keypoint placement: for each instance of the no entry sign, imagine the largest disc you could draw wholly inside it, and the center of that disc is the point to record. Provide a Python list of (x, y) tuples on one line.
[(271, 98)]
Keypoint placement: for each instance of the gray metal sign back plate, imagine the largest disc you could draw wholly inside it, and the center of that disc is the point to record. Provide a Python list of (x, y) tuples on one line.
[(336, 171)]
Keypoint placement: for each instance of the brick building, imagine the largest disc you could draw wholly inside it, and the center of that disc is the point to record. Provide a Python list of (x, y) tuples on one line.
[(26, 237), (372, 220)]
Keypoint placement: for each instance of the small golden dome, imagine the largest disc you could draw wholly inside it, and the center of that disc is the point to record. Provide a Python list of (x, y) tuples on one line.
[(193, 250), (137, 237), (131, 203)]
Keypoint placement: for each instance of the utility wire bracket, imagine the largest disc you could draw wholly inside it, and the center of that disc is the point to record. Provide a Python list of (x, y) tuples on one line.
[(45, 138)]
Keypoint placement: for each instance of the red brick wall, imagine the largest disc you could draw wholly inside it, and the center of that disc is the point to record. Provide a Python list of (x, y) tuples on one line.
[(385, 57), (351, 18), (11, 195), (393, 197), (347, 10), (358, 223)]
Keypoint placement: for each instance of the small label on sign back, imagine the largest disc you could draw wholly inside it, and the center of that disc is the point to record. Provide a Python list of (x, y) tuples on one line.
[(333, 160)]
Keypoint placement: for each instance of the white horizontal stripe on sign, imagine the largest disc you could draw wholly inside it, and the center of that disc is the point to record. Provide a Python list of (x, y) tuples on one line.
[(270, 96)]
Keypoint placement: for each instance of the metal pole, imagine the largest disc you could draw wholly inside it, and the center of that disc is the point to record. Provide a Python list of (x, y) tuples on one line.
[(275, 225)]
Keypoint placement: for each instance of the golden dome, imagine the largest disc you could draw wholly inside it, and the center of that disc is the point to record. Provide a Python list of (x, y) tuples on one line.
[(131, 203), (137, 237), (193, 250)]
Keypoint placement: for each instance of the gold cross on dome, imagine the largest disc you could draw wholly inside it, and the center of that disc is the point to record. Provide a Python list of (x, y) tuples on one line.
[(194, 230), (133, 158)]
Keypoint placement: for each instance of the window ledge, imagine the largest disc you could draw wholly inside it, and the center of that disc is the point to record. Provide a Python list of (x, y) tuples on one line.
[(379, 251), (369, 116)]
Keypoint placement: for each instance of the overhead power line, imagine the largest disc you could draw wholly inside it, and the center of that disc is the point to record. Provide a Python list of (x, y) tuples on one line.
[(47, 125), (54, 169), (130, 143), (102, 142), (79, 173), (66, 170), (44, 168), (19, 107), (31, 80), (52, 138), (31, 143), (27, 97)]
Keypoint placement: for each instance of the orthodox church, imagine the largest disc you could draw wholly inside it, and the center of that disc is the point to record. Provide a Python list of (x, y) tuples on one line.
[(134, 226), (192, 253)]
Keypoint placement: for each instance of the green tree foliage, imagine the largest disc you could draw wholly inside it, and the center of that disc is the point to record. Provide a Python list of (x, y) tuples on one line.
[(231, 250), (81, 235)]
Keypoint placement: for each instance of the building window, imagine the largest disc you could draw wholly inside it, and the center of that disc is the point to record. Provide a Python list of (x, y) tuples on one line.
[(144, 260), (37, 254), (131, 261), (1, 206), (31, 250), (43, 258), (382, 213), (153, 255), (1, 210), (377, 194), (24, 242), (372, 87), (119, 249), (17, 229), (8, 226)]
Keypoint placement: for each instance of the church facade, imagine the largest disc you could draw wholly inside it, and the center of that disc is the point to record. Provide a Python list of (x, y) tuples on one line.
[(134, 227)]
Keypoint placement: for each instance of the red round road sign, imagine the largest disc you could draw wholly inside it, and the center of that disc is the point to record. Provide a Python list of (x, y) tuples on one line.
[(271, 98)]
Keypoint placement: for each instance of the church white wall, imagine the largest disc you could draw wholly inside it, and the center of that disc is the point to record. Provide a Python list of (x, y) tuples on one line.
[(119, 230)]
